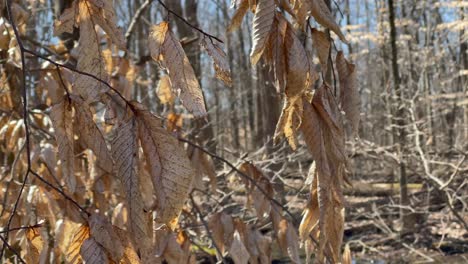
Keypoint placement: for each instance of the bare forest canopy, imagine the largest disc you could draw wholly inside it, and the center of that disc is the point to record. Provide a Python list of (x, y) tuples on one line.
[(233, 131)]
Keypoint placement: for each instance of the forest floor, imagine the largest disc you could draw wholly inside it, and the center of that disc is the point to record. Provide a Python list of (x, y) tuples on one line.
[(372, 226)]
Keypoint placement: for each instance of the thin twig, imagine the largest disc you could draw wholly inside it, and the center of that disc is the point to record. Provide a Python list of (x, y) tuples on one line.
[(240, 173), (188, 23), (25, 120), (5, 243), (75, 203), (135, 19), (21, 228)]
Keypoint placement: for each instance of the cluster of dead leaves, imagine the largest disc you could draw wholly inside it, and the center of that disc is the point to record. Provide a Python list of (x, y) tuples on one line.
[(133, 217), (120, 157), (317, 113)]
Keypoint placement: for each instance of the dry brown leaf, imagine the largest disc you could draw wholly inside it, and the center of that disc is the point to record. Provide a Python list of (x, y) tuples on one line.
[(297, 81), (237, 250), (174, 123), (61, 116), (167, 247), (324, 136), (347, 258), (169, 166), (104, 15), (349, 93), (93, 253), (73, 251), (103, 232), (222, 228), (89, 58), (289, 240), (125, 155), (309, 223), (130, 255), (261, 202), (164, 90), (220, 60), (203, 166), (90, 134), (63, 235), (275, 54), (66, 21), (238, 16), (166, 49), (322, 46), (261, 28), (319, 10), (331, 221), (35, 245)]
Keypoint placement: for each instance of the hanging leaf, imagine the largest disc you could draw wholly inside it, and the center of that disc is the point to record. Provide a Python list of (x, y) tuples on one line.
[(322, 46), (125, 155), (297, 81), (349, 93), (166, 49), (261, 28), (164, 92), (238, 16), (220, 61), (275, 54), (319, 10), (73, 251), (289, 241), (61, 116), (103, 233), (90, 134), (89, 58), (93, 253), (170, 169), (239, 253)]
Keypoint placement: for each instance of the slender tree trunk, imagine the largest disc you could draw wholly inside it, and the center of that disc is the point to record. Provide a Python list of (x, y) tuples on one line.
[(399, 131)]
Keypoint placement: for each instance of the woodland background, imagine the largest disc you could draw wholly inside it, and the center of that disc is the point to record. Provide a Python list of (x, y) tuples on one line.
[(412, 144)]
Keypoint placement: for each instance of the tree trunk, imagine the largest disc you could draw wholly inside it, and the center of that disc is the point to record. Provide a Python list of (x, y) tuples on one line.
[(399, 131)]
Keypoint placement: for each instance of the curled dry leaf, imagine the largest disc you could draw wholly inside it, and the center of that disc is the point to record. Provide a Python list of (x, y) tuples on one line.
[(324, 136), (61, 116), (124, 153), (93, 253), (261, 28), (166, 49), (347, 258), (319, 10), (289, 240), (349, 93), (239, 14), (170, 168), (297, 81), (220, 62)]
